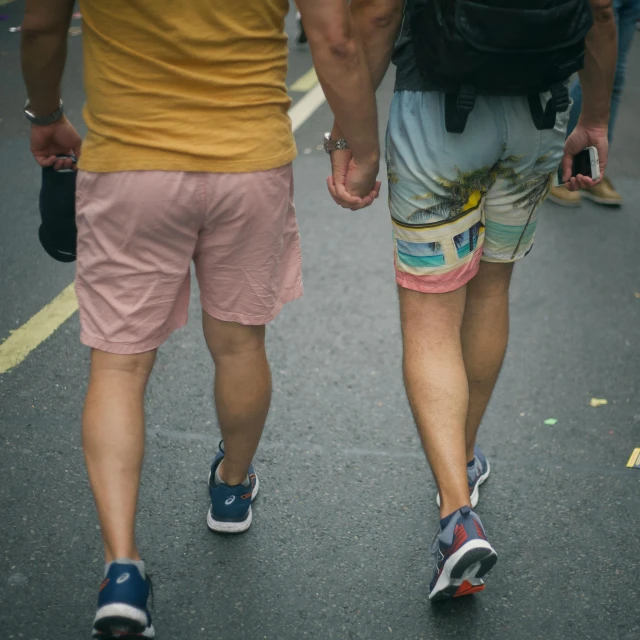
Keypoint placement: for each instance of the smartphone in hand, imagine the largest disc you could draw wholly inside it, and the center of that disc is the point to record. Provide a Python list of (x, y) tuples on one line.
[(585, 163)]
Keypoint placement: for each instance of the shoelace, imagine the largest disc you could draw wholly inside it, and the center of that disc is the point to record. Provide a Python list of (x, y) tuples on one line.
[(434, 550)]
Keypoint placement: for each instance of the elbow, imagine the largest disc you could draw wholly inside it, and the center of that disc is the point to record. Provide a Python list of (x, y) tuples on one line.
[(34, 26), (337, 44), (384, 18), (378, 15), (342, 50), (31, 32), (602, 11)]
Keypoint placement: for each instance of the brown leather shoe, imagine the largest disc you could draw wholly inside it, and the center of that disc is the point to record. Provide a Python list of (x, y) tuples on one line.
[(565, 198), (604, 193)]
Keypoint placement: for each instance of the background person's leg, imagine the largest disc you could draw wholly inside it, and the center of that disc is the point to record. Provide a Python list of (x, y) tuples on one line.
[(242, 391), (576, 96), (627, 12), (485, 332), (437, 387), (113, 441)]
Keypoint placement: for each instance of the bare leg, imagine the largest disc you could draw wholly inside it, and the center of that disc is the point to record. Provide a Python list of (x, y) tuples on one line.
[(113, 441), (437, 387), (242, 391), (485, 332)]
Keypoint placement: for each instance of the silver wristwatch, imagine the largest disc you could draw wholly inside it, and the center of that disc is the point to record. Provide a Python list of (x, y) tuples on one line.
[(42, 121), (334, 145)]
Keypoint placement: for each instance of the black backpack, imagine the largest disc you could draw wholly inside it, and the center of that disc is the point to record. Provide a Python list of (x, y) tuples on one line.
[(500, 47)]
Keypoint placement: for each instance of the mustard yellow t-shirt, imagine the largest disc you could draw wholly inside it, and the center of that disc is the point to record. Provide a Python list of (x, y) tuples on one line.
[(189, 85)]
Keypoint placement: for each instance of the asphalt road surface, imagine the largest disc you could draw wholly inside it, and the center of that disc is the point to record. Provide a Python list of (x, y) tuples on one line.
[(341, 534)]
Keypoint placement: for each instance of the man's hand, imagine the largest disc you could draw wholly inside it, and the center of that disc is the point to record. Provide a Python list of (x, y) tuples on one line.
[(584, 136), (43, 54), (352, 185), (596, 80), (59, 138), (341, 65)]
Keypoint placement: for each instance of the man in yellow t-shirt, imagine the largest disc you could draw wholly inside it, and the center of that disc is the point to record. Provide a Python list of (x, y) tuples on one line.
[(187, 159)]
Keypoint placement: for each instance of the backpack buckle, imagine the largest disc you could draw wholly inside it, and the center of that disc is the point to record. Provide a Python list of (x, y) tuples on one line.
[(560, 97), (466, 98), (457, 107), (557, 103)]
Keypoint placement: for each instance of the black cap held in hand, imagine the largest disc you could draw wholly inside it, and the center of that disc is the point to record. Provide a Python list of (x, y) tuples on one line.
[(58, 231)]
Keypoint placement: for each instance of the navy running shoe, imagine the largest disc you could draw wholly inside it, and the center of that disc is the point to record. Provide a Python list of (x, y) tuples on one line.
[(230, 510), (476, 475), (122, 604), (463, 557)]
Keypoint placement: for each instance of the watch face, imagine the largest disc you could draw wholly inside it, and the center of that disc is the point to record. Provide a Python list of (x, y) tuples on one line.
[(328, 144)]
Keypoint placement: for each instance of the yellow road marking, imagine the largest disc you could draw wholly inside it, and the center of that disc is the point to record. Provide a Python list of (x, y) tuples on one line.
[(36, 330), (634, 458), (305, 82)]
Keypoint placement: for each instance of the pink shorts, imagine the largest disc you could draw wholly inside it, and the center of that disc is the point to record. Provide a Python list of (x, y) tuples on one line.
[(138, 232)]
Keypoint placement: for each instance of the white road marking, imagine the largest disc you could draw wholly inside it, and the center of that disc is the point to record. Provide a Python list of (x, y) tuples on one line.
[(305, 82), (302, 110)]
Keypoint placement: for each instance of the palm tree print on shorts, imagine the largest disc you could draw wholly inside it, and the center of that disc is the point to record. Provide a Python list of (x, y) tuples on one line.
[(465, 192)]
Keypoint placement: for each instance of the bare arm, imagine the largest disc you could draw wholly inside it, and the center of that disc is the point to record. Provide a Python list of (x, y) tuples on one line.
[(340, 63), (377, 23), (44, 51), (596, 80), (601, 52), (43, 56)]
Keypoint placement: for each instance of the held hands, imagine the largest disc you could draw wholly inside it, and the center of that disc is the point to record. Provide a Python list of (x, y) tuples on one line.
[(584, 136), (57, 139), (353, 184)]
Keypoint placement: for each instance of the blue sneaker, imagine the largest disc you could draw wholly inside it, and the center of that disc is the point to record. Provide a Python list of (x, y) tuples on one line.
[(463, 557), (230, 510), (475, 476), (122, 604)]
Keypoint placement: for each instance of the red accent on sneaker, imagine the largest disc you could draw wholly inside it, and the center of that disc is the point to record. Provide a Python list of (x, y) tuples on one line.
[(459, 538), (466, 588)]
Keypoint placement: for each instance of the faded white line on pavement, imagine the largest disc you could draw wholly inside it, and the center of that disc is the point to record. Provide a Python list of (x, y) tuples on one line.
[(305, 82), (306, 107)]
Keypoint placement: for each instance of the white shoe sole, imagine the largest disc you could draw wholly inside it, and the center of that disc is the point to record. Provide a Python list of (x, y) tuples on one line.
[(602, 201), (463, 571), (570, 204), (475, 494), (220, 526), (121, 619)]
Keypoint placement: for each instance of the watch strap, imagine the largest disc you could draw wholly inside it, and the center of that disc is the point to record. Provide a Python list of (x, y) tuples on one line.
[(334, 145), (43, 120)]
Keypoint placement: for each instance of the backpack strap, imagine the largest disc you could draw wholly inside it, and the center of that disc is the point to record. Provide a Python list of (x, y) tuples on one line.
[(558, 103), (457, 107)]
